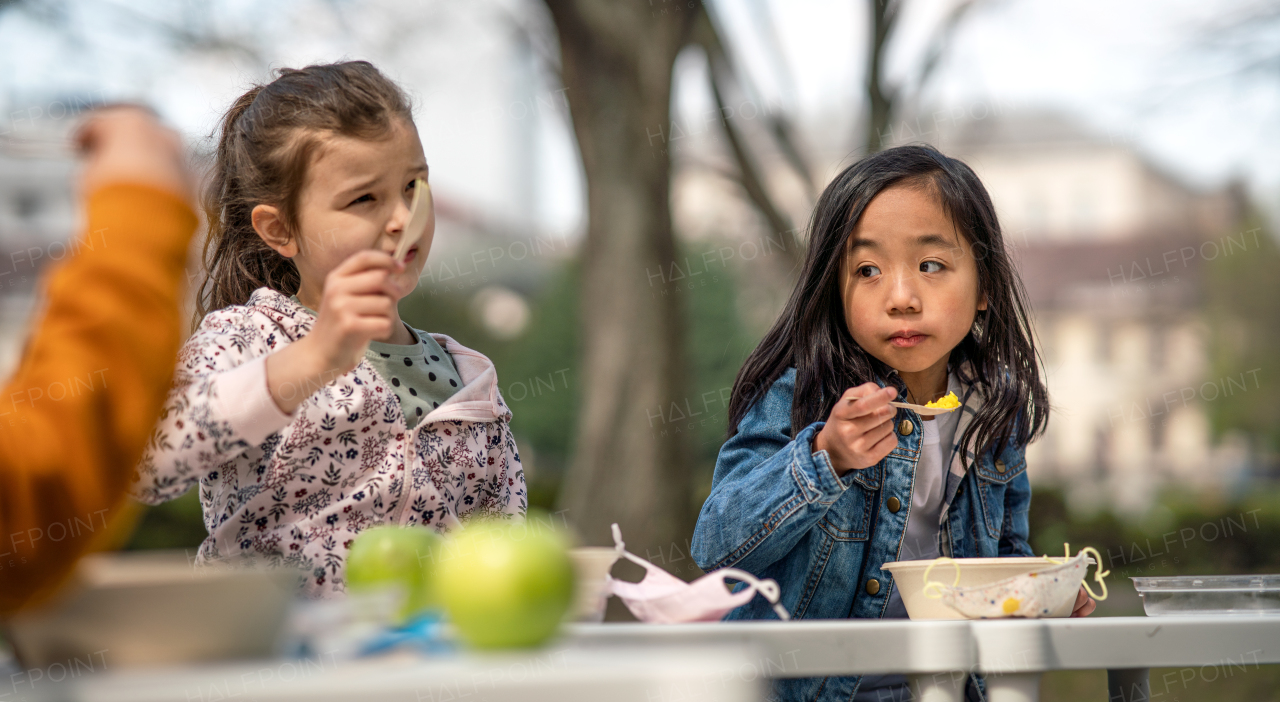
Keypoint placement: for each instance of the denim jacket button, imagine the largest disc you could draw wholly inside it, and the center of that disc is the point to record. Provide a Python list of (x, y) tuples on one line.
[(906, 427), (999, 466), (894, 505), (873, 586)]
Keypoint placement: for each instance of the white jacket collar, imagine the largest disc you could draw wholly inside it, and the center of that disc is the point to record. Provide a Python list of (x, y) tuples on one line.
[(478, 400)]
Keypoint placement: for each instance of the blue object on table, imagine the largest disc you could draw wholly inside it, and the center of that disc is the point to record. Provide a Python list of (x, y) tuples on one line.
[(426, 633)]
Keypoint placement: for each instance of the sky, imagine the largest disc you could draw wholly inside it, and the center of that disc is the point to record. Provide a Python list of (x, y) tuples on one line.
[(497, 132), (1133, 69)]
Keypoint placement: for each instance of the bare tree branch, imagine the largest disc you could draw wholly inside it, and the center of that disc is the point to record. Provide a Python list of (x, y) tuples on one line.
[(195, 32), (885, 100), (884, 15), (721, 72), (941, 42), (751, 181), (1248, 37), (780, 124), (728, 174), (53, 13), (784, 133), (538, 30)]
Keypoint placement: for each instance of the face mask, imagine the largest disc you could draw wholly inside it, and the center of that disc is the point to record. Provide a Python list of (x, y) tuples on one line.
[(662, 598), (1046, 593)]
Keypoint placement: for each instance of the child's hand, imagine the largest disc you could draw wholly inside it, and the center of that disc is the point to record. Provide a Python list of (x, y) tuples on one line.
[(358, 304), (1084, 604), (859, 432), (127, 143)]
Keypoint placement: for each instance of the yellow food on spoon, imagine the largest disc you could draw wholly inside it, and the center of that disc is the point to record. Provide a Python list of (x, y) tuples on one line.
[(945, 402)]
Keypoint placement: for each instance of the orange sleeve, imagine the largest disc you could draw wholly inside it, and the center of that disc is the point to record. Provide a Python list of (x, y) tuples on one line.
[(75, 417)]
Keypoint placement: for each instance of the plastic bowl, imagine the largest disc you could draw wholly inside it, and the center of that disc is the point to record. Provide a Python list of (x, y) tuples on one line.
[(908, 577), (1210, 594)]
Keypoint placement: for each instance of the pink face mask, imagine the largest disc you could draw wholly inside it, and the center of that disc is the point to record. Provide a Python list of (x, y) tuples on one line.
[(662, 598)]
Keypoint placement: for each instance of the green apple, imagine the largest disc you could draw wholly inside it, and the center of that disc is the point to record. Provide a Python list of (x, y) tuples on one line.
[(506, 584), (392, 556)]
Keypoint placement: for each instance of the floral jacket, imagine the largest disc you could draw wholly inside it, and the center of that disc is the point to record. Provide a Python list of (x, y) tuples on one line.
[(295, 490)]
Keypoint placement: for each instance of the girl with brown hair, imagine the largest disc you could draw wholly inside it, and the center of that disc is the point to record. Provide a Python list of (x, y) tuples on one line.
[(303, 406)]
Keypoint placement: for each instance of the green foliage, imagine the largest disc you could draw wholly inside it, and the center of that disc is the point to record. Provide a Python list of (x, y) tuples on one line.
[(717, 343), (1241, 680), (1183, 535), (176, 524), (537, 370), (539, 376), (1243, 309)]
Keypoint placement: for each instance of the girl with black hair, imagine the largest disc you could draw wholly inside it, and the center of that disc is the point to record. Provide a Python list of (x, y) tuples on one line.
[(907, 291)]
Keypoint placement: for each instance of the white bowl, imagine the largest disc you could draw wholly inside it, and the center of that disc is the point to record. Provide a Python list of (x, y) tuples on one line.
[(908, 576), (592, 565), (154, 608)]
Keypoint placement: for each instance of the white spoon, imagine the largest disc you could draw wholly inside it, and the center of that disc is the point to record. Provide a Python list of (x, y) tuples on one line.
[(422, 215), (922, 410)]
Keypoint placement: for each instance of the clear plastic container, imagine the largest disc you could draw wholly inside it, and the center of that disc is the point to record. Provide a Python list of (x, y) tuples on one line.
[(1210, 594)]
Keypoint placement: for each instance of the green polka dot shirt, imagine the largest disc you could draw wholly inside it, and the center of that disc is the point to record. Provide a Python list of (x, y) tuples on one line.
[(421, 374)]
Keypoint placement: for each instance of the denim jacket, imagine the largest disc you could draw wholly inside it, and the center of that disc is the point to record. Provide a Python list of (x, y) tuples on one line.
[(779, 510)]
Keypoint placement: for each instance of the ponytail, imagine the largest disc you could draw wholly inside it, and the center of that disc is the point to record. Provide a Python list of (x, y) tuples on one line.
[(266, 142)]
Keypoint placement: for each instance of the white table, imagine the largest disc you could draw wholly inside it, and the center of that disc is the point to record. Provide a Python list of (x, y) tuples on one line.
[(566, 671), (720, 662), (1011, 654), (1014, 654), (935, 655)]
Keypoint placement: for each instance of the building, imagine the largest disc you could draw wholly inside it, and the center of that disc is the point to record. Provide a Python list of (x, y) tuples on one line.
[(1113, 254), (1112, 251)]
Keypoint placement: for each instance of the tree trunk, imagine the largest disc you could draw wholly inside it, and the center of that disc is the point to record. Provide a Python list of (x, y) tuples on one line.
[(880, 100), (631, 462)]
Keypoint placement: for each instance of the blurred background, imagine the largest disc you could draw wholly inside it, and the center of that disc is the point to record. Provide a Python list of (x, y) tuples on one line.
[(619, 246)]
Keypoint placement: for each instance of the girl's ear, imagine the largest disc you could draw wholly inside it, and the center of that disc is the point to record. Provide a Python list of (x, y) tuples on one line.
[(982, 301), (270, 227)]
